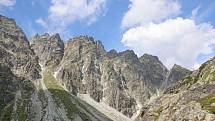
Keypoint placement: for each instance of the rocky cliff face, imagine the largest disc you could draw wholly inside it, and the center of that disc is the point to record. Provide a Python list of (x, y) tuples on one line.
[(8, 86), (79, 70), (15, 50), (175, 74), (120, 80), (24, 95), (155, 71), (189, 99), (49, 49)]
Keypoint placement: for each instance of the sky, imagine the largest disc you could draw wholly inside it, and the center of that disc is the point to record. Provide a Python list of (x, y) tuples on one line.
[(177, 31)]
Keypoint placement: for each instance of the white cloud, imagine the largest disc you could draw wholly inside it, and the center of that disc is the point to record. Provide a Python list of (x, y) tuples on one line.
[(7, 2), (144, 11), (62, 13), (174, 41), (41, 22), (195, 12)]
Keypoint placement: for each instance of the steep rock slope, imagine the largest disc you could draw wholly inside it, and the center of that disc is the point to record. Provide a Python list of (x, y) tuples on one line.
[(155, 70), (79, 71), (175, 74), (8, 87), (49, 49), (24, 95), (120, 80), (15, 50), (125, 82), (190, 99)]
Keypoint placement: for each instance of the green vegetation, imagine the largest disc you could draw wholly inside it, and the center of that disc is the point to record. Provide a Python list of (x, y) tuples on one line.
[(62, 97), (8, 112), (21, 110), (207, 102)]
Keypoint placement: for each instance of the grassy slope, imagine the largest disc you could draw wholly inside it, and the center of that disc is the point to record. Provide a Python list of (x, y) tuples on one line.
[(62, 97), (207, 101)]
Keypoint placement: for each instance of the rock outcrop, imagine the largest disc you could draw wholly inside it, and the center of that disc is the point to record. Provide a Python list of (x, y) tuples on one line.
[(49, 49), (191, 98), (15, 50), (175, 74), (155, 71), (8, 86)]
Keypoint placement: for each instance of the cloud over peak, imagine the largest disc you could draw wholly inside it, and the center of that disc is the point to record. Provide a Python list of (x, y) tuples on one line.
[(174, 41), (62, 13)]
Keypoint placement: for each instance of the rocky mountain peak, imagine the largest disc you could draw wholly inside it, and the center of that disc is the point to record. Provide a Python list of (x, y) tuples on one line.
[(155, 70), (8, 22), (15, 49), (48, 48), (149, 58), (128, 55), (176, 74), (112, 53)]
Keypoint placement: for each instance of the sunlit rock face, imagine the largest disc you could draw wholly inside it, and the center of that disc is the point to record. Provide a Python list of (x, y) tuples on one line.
[(191, 98), (49, 49), (15, 50)]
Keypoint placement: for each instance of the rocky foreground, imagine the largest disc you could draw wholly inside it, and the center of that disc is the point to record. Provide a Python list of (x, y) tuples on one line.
[(47, 79)]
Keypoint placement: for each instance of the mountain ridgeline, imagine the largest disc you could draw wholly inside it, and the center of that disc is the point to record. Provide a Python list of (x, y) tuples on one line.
[(48, 79)]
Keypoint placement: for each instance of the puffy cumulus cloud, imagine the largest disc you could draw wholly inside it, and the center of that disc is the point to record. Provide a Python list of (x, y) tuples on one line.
[(62, 13), (145, 11), (7, 2), (174, 41)]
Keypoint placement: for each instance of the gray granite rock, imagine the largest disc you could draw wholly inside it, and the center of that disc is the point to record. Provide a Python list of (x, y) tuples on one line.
[(49, 49), (15, 50)]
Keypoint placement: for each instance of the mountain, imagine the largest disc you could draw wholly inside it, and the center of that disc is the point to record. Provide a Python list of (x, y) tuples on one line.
[(190, 99), (49, 49), (15, 50), (120, 80), (30, 92), (48, 79)]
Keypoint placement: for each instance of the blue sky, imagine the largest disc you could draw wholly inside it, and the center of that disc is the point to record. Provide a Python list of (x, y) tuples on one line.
[(125, 24)]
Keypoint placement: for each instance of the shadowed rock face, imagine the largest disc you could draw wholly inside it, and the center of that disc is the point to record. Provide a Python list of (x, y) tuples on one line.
[(155, 71), (8, 86), (15, 50), (124, 82), (48, 48), (176, 74)]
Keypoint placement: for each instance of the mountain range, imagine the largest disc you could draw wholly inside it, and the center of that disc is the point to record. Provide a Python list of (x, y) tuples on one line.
[(47, 79)]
